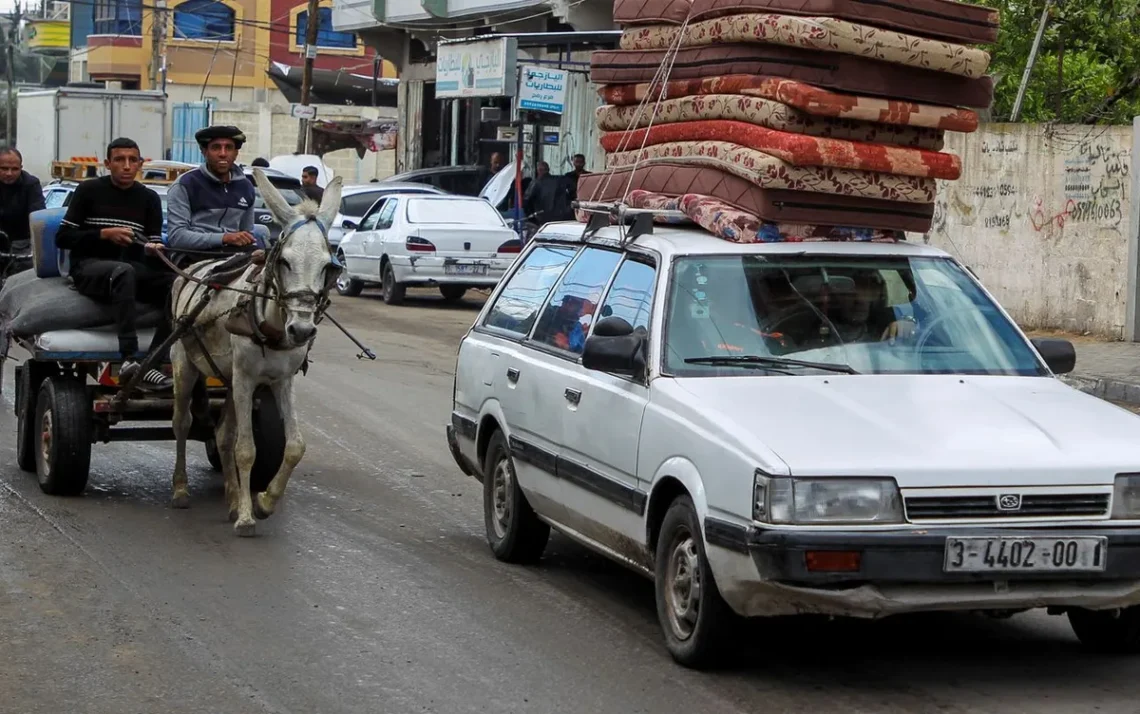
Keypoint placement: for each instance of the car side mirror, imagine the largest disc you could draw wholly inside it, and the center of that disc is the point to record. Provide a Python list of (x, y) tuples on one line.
[(348, 225), (1058, 354), (615, 347)]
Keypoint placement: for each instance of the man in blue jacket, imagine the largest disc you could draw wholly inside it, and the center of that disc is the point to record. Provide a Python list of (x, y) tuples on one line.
[(211, 207)]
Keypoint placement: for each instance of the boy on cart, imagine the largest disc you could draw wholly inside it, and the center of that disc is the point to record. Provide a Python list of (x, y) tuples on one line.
[(108, 264)]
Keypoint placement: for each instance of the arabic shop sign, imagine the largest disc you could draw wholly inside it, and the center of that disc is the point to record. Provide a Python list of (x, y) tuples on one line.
[(542, 90), (476, 69)]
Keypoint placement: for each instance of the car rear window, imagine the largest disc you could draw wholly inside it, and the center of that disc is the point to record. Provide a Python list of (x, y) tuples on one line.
[(358, 203), (426, 210)]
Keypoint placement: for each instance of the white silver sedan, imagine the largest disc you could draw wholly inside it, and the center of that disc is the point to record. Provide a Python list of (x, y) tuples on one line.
[(453, 242)]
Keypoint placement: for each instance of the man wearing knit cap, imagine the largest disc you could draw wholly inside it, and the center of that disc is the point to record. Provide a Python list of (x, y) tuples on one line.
[(211, 207)]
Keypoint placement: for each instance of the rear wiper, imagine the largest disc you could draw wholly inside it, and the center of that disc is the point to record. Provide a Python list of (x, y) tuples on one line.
[(778, 362)]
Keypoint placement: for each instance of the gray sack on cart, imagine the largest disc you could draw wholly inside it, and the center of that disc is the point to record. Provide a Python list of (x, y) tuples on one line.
[(30, 306)]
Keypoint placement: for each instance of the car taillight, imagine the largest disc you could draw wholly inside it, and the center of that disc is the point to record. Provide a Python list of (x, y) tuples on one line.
[(419, 245), (511, 246)]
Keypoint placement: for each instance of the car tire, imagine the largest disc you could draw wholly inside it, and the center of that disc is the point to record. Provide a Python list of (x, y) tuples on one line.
[(452, 293), (63, 441), (346, 286), (392, 291), (514, 531), (1108, 631), (694, 617)]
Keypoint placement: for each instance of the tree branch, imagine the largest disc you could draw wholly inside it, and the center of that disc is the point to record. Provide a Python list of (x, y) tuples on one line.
[(1122, 93)]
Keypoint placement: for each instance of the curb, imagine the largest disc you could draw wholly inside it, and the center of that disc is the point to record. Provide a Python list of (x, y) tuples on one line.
[(1114, 390)]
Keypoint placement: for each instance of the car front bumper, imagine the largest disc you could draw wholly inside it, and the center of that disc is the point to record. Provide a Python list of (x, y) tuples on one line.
[(765, 572), (436, 270)]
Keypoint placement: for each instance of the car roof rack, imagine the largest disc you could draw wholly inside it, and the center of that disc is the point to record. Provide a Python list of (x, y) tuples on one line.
[(603, 214)]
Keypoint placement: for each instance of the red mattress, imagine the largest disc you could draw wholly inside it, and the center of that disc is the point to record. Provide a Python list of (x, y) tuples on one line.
[(955, 21), (678, 179), (804, 97), (845, 73), (795, 149)]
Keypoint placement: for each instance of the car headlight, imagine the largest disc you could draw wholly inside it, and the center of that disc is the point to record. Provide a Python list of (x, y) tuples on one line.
[(829, 501), (1126, 497)]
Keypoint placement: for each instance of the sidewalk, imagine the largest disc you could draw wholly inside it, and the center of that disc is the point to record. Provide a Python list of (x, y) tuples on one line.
[(1109, 370)]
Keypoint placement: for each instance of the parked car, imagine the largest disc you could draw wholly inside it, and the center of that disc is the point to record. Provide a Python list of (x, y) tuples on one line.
[(459, 180), (356, 200), (453, 242), (58, 195), (848, 429)]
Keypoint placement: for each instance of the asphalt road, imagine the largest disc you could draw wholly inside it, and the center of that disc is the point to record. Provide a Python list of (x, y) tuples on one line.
[(372, 589)]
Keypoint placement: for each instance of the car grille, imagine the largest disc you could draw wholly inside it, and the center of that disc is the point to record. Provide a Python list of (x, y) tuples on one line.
[(929, 508)]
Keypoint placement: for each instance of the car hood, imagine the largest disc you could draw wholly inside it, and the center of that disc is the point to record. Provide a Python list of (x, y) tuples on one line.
[(925, 430)]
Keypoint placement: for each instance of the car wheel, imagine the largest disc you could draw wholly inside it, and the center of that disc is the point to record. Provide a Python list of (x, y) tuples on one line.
[(452, 293), (349, 287), (1108, 631), (63, 454), (693, 615), (514, 531), (393, 292)]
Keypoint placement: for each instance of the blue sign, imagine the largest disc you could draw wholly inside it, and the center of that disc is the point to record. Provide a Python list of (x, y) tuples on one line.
[(543, 90)]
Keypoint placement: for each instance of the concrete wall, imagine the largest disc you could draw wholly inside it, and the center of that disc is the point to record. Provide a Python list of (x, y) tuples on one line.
[(270, 131), (1041, 214)]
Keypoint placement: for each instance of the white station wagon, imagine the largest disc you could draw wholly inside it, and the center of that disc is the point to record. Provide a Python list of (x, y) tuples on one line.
[(850, 429)]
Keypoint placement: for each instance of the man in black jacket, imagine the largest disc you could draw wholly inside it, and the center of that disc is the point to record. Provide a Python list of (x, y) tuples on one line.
[(20, 194), (107, 264)]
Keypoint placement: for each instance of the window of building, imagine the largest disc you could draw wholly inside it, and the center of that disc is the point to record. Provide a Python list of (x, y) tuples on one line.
[(326, 35), (206, 20), (118, 17)]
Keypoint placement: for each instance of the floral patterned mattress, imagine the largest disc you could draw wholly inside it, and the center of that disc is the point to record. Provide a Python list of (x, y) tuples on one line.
[(833, 70), (813, 101), (762, 112), (954, 21), (794, 149), (825, 34), (674, 179), (770, 172), (732, 224)]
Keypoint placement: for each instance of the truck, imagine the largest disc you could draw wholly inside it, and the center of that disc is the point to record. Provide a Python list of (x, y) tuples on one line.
[(67, 123)]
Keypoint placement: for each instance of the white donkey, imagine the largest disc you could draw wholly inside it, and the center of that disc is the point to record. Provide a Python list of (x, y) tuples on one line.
[(255, 341)]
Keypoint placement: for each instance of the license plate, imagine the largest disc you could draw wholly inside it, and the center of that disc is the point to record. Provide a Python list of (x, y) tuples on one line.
[(457, 269), (1027, 555)]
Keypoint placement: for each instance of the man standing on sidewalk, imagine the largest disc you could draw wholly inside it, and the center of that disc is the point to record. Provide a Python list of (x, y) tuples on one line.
[(108, 264), (211, 207)]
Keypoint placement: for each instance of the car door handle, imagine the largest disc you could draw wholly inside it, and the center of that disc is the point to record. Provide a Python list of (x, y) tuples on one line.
[(512, 374), (572, 395)]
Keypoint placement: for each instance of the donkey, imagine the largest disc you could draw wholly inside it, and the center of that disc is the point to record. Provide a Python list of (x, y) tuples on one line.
[(249, 341)]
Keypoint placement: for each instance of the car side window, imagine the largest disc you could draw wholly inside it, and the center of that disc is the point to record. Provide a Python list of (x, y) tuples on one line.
[(518, 304), (631, 295), (358, 203), (370, 220), (566, 319), (386, 214)]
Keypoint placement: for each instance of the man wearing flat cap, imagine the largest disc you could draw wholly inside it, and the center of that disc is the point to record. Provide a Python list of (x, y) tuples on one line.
[(211, 207)]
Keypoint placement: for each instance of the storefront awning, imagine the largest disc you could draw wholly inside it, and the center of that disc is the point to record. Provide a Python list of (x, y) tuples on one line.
[(333, 86)]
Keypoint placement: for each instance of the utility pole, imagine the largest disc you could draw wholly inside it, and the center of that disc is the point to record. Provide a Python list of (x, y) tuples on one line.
[(311, 27), (157, 44), (11, 57), (1032, 61)]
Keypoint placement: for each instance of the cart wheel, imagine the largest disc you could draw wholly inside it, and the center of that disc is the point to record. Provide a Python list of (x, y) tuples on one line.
[(63, 441), (25, 420), (213, 456), (268, 438)]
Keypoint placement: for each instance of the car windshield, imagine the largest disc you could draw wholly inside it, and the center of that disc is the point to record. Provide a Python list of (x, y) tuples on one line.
[(292, 195), (752, 314), (429, 210)]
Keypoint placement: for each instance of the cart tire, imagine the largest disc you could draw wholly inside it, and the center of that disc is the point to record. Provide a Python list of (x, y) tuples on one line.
[(25, 419), (269, 440), (213, 456), (63, 436)]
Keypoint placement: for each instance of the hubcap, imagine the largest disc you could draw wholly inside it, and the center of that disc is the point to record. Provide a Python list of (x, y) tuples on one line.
[(502, 484), (389, 280), (683, 586), (45, 442), (342, 282)]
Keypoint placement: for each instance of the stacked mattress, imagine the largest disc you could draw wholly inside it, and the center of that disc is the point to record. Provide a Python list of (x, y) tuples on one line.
[(789, 119)]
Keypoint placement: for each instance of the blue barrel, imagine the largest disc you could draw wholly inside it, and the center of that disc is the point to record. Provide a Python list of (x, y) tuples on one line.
[(47, 260)]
